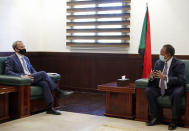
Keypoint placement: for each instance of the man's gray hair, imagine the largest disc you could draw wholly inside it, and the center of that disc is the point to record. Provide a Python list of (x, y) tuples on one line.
[(14, 45)]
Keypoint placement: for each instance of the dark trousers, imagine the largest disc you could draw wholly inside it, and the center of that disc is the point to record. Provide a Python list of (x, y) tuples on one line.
[(42, 79), (175, 95)]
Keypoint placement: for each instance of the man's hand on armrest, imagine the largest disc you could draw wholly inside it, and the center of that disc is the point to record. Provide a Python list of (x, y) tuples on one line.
[(28, 76)]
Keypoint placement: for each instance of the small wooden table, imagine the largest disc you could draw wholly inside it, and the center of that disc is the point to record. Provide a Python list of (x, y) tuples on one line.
[(119, 100)]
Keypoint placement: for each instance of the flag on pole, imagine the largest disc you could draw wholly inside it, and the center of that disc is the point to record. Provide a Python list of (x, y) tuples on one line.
[(145, 46)]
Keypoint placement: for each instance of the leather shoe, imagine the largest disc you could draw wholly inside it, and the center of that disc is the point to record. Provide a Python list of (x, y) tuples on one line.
[(53, 111), (61, 93), (153, 122), (172, 126)]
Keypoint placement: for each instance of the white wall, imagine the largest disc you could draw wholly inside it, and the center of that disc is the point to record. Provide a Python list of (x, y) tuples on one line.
[(54, 25), (41, 24), (169, 24), (20, 20)]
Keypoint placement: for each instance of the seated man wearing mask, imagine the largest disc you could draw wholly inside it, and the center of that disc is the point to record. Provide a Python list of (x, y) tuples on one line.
[(167, 78), (19, 65)]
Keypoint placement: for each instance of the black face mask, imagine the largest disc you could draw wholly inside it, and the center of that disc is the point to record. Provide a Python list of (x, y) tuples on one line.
[(22, 51)]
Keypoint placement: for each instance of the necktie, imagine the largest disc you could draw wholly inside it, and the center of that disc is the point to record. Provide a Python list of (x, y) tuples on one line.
[(25, 66), (162, 85)]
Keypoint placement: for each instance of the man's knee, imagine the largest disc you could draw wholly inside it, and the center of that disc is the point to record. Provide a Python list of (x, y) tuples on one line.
[(178, 92), (43, 74), (148, 91)]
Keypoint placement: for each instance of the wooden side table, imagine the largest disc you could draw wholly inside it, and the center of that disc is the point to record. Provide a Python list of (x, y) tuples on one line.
[(119, 100), (19, 98), (4, 101)]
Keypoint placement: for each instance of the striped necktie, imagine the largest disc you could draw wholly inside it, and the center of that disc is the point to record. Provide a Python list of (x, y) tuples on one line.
[(162, 85), (25, 66)]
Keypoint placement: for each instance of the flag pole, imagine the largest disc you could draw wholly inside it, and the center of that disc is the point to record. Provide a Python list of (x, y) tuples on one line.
[(146, 5)]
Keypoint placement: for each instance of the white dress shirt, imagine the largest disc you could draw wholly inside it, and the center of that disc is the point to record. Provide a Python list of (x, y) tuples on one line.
[(26, 71)]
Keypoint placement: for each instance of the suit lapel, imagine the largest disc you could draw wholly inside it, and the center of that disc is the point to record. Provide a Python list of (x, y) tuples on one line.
[(18, 63), (161, 66), (172, 65)]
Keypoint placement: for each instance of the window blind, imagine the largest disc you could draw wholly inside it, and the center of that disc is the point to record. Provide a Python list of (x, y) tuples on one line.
[(98, 23)]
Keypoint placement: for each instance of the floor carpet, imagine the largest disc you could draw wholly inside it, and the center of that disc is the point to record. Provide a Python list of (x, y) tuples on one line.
[(84, 102), (70, 121)]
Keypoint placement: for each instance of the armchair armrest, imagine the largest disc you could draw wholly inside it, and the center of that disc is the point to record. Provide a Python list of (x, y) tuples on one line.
[(141, 83), (14, 80), (54, 76), (20, 81), (187, 87)]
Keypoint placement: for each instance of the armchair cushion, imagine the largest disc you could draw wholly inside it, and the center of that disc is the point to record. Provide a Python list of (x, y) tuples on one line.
[(187, 87), (36, 92), (141, 83), (164, 101), (13, 80)]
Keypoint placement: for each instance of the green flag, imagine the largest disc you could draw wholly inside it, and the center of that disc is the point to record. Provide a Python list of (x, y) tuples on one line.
[(143, 35), (145, 46)]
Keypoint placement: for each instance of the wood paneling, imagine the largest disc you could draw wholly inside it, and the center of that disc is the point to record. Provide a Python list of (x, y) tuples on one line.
[(84, 71)]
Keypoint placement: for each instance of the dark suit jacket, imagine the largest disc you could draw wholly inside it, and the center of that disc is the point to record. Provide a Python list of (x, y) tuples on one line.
[(176, 74), (14, 67)]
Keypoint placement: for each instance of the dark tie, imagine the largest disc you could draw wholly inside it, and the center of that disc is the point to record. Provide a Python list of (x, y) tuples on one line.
[(162, 85)]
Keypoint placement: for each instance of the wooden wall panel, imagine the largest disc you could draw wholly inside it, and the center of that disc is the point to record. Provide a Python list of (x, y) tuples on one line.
[(84, 71)]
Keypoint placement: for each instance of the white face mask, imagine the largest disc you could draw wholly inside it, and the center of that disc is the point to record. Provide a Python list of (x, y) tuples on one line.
[(162, 58)]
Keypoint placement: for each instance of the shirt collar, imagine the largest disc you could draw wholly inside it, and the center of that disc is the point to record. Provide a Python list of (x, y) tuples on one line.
[(169, 61), (19, 56)]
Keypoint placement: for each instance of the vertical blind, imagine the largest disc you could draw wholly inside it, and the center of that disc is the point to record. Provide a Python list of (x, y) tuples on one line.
[(98, 23)]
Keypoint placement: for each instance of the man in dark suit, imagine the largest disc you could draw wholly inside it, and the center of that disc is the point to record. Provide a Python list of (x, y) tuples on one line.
[(19, 65), (167, 78)]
